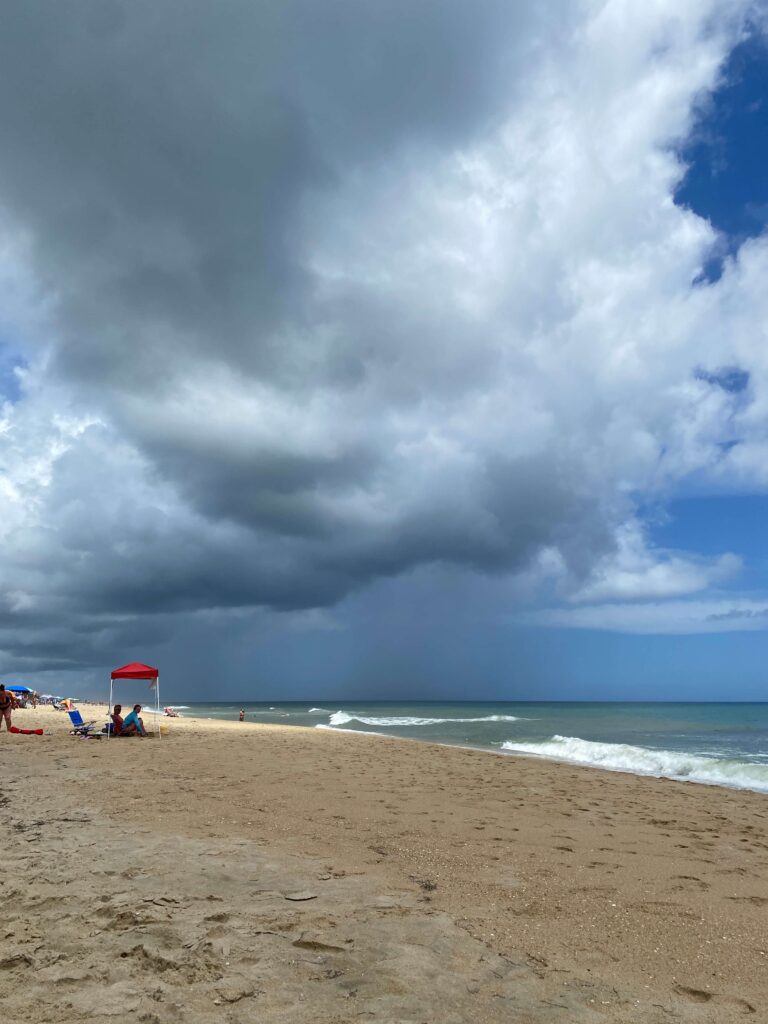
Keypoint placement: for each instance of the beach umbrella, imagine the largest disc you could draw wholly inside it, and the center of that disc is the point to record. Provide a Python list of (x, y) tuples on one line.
[(18, 689)]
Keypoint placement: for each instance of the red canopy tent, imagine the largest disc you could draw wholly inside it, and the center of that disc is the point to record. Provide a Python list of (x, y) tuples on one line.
[(136, 670)]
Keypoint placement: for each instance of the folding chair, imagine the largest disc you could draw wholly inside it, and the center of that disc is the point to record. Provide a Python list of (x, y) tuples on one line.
[(79, 727)]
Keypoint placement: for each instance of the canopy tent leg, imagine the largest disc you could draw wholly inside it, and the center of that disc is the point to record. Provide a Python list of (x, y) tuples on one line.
[(157, 705), (109, 709)]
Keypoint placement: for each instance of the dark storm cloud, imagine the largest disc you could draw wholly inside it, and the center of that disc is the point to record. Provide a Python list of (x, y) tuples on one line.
[(161, 154), (162, 158)]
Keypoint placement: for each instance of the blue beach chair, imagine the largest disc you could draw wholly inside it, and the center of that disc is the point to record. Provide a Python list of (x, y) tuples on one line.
[(79, 727)]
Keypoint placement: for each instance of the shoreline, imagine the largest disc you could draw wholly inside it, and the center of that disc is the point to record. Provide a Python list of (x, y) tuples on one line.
[(527, 755), (513, 753), (617, 897)]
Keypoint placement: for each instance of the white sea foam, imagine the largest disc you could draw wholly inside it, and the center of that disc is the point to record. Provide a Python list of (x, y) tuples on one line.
[(357, 732), (318, 711), (343, 718), (145, 710), (643, 761)]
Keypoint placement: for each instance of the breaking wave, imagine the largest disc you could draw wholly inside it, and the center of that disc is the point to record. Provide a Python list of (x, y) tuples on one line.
[(318, 711), (643, 761), (343, 718)]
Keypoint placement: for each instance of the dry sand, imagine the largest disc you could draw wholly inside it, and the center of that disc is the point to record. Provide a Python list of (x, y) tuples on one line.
[(246, 873)]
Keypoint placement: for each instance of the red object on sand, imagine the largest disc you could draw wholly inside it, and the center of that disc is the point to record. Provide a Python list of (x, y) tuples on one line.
[(26, 732), (135, 671)]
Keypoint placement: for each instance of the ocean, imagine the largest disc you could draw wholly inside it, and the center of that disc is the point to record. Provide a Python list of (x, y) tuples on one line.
[(719, 744)]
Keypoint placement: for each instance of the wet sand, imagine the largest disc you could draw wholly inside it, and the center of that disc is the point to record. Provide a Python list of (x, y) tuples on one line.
[(263, 873)]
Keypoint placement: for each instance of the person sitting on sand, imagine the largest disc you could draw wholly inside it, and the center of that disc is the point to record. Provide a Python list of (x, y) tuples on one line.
[(7, 703), (133, 725), (117, 720)]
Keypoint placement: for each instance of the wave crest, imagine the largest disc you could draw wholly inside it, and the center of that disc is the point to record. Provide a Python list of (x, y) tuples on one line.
[(343, 718), (644, 761)]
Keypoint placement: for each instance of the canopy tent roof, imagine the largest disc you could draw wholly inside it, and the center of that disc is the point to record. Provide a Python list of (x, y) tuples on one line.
[(135, 671), (18, 689)]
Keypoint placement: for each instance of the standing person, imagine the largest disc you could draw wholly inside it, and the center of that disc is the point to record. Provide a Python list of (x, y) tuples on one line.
[(7, 702), (242, 714)]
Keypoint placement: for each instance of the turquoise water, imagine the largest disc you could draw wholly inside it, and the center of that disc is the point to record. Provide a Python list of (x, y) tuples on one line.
[(723, 744)]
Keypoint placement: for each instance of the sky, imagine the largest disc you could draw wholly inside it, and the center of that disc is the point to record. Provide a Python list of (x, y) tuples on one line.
[(385, 350)]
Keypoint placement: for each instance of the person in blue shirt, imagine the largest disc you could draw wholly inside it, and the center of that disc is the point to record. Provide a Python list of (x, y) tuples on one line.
[(133, 725)]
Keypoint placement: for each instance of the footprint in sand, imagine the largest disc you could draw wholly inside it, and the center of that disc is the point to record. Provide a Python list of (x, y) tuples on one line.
[(696, 995), (699, 883)]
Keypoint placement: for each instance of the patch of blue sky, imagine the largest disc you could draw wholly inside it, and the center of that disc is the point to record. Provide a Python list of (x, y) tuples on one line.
[(714, 524), (730, 378), (586, 665), (727, 152), (10, 362)]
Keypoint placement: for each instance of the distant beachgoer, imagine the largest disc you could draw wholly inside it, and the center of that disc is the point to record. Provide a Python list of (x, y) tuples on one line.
[(133, 725), (242, 714), (117, 720), (7, 703)]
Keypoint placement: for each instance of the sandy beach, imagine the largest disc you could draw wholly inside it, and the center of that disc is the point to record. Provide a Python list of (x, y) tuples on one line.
[(238, 872)]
